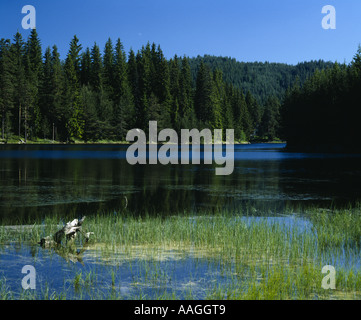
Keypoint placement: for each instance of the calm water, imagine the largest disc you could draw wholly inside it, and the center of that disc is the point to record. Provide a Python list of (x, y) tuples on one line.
[(76, 180), (85, 179), (175, 273)]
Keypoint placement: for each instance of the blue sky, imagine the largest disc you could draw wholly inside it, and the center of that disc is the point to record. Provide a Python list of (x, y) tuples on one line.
[(286, 31)]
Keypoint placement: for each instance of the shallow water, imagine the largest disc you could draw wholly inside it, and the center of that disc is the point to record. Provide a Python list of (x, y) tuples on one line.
[(173, 272), (98, 271)]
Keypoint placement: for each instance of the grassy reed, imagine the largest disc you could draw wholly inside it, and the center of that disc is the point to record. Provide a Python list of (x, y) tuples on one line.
[(261, 259)]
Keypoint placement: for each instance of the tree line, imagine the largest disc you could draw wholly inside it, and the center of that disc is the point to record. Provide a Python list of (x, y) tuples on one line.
[(97, 94), (322, 114), (262, 79)]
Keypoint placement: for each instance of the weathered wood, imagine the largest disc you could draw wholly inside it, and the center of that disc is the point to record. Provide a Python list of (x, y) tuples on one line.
[(69, 231)]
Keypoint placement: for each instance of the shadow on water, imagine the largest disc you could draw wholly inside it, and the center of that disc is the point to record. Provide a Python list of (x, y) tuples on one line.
[(37, 180), (70, 181)]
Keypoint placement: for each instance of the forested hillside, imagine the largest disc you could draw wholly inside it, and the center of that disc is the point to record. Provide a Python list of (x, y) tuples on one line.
[(322, 115), (99, 94), (262, 79)]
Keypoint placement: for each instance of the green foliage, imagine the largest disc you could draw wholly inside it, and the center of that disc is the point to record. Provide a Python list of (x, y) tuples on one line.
[(95, 95), (259, 258), (271, 118), (261, 79), (6, 88), (322, 114)]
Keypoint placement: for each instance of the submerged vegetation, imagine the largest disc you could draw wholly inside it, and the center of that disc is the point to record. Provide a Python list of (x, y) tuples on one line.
[(223, 256)]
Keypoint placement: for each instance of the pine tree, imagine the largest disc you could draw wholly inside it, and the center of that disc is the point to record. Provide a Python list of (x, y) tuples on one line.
[(91, 125), (238, 106), (203, 100), (104, 103), (120, 84), (73, 105), (6, 87), (218, 100), (174, 90), (33, 72), (133, 80), (123, 112), (254, 111), (144, 67), (185, 99), (85, 68), (57, 112), (108, 69), (271, 118), (46, 94), (356, 61), (246, 120), (75, 55), (96, 69), (162, 90), (290, 119), (227, 111), (21, 98)]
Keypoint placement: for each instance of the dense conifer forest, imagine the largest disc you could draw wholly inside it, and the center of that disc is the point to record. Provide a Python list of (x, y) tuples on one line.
[(98, 94), (261, 79), (322, 114)]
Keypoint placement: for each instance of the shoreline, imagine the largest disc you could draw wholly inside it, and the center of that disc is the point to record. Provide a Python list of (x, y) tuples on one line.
[(98, 143), (125, 143)]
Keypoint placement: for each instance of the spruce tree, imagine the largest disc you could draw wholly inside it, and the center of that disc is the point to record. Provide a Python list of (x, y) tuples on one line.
[(108, 68), (133, 79), (74, 116), (75, 55), (21, 98), (123, 112), (120, 84), (203, 99), (269, 127), (91, 122), (254, 110), (33, 73), (144, 67), (6, 87), (96, 69), (218, 100), (57, 108), (85, 67), (174, 89), (185, 99), (246, 120), (162, 89), (46, 95)]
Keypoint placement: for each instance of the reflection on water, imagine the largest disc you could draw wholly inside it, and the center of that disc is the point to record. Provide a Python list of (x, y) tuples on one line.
[(78, 180), (46, 179)]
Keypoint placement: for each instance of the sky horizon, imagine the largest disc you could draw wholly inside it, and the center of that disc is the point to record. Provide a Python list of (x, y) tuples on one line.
[(282, 31)]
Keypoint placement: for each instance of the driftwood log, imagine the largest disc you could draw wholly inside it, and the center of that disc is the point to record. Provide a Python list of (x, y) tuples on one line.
[(69, 231)]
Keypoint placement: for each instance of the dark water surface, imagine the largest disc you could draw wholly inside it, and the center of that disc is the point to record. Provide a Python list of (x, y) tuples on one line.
[(38, 180), (84, 179)]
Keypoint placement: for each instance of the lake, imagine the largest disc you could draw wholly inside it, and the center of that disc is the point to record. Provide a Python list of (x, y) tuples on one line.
[(76, 180), (193, 253)]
